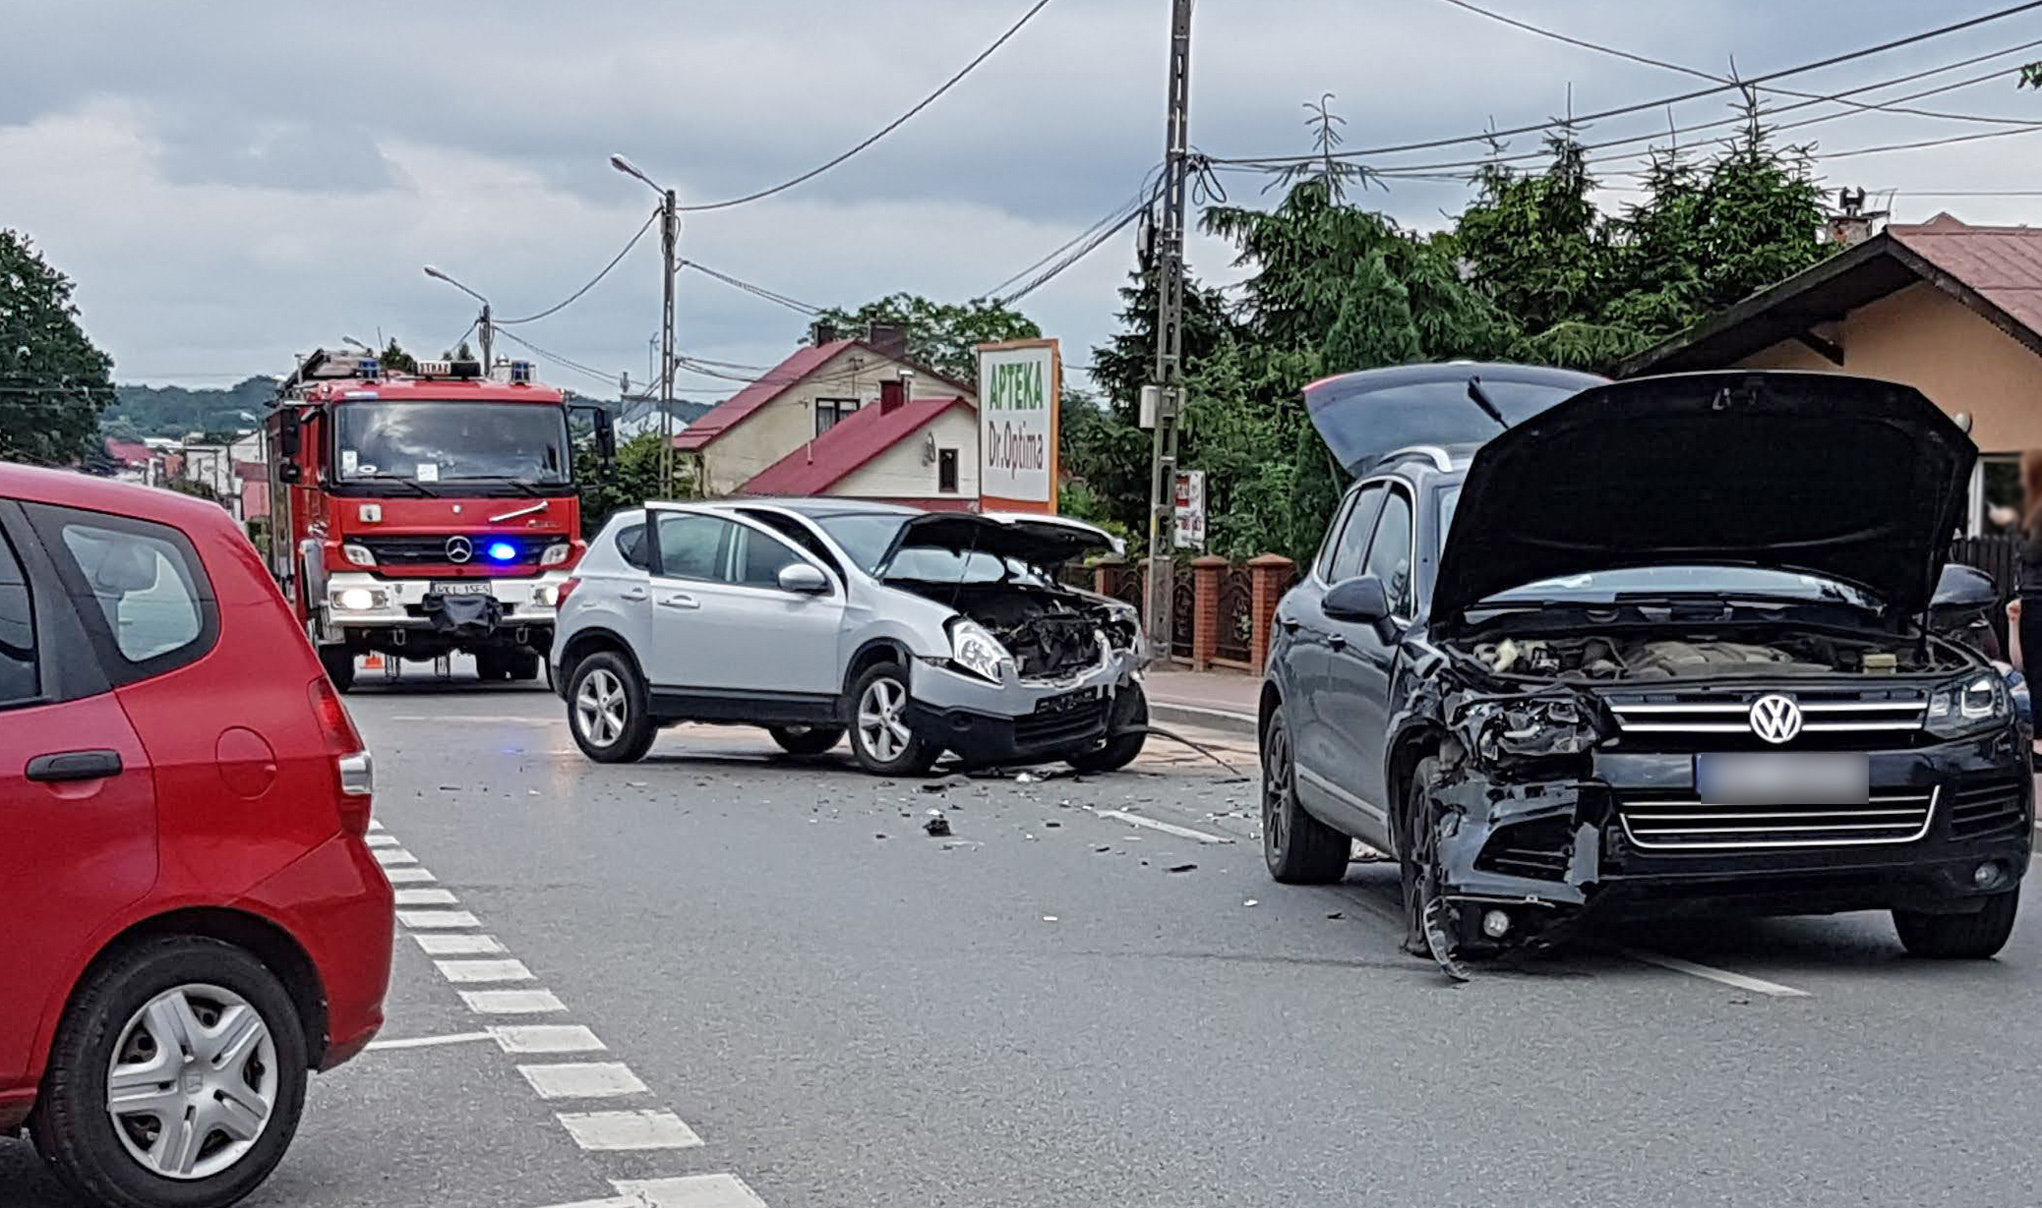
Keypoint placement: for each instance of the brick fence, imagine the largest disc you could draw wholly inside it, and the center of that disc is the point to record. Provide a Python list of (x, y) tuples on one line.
[(1231, 608)]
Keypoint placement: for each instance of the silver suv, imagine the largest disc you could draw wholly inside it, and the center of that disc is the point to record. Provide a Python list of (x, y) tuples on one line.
[(918, 632)]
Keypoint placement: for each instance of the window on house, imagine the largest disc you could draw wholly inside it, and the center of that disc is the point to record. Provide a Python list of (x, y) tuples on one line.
[(828, 411), (946, 471)]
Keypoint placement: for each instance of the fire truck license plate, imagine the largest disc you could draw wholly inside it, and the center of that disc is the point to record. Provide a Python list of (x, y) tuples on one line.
[(473, 587)]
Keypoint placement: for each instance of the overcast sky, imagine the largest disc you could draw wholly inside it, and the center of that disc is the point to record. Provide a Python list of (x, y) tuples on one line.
[(229, 183)]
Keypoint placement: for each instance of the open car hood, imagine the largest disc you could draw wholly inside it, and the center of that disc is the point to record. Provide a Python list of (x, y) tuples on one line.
[(1033, 538), (1850, 478), (1363, 416)]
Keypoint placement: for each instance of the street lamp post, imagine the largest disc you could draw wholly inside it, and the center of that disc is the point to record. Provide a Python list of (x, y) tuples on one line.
[(482, 324), (669, 241)]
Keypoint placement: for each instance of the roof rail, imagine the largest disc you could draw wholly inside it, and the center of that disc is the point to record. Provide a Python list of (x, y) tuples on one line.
[(1433, 453)]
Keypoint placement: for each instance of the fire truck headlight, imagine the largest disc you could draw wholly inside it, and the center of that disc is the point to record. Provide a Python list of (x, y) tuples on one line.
[(554, 555), (358, 599), (358, 555)]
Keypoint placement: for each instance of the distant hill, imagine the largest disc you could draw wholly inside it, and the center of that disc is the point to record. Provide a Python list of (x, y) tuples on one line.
[(175, 411)]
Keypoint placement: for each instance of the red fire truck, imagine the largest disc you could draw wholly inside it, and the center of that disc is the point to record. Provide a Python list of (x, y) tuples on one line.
[(421, 514)]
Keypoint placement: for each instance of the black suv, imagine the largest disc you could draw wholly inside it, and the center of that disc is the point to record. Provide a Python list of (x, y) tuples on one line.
[(1656, 647)]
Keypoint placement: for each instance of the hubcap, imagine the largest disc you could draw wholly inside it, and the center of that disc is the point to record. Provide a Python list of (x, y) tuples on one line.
[(880, 726), (600, 707), (192, 1082), (1276, 791)]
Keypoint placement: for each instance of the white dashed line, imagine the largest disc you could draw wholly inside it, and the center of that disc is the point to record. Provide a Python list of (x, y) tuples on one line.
[(512, 1002), (387, 856), (382, 839), (628, 1130), (412, 875), (694, 1191), (426, 897), (459, 945), (583, 1080), (429, 1042), (473, 972), (546, 1038), (431, 920), (1182, 832), (1739, 980)]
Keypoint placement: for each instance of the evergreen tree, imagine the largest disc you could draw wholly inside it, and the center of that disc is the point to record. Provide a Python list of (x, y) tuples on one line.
[(54, 381)]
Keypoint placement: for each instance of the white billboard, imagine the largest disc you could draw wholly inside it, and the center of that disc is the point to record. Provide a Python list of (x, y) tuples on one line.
[(1019, 383)]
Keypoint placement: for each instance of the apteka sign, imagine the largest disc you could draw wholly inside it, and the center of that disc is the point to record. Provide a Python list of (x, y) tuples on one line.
[(1020, 383)]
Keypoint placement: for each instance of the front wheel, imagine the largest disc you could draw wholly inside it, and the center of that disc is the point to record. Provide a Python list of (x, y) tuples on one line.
[(1968, 937), (882, 741), (339, 662), (1298, 848), (1127, 729), (176, 1080), (607, 710), (806, 740)]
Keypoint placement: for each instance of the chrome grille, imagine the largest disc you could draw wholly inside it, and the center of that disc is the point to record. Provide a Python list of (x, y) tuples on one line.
[(1675, 822), (1985, 807), (1726, 714)]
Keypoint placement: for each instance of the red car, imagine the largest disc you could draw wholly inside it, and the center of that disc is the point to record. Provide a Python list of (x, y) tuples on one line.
[(193, 920)]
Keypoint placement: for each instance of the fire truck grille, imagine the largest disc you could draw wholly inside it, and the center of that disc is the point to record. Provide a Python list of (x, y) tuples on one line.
[(431, 549)]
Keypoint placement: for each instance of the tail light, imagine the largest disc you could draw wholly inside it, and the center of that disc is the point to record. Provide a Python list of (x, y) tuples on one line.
[(351, 762), (567, 586)]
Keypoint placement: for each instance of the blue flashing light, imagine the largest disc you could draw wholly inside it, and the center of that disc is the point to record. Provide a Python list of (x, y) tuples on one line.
[(501, 551)]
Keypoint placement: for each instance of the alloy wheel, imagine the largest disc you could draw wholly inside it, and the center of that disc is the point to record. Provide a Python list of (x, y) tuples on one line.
[(880, 724), (193, 1082), (600, 708), (1276, 772)]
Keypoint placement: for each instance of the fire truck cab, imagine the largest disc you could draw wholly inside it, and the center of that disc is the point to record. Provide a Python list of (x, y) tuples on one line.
[(422, 514)]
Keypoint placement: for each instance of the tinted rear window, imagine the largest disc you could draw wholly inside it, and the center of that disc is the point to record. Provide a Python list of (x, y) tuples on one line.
[(17, 632), (138, 586)]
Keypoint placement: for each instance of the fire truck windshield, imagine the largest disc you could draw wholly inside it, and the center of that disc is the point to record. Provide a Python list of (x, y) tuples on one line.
[(425, 441)]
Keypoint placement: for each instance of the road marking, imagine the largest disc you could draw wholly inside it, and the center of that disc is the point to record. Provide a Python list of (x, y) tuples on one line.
[(426, 897), (429, 1042), (471, 972), (694, 1191), (546, 1038), (386, 856), (1739, 980), (489, 719), (429, 919), (459, 945), (1182, 832), (628, 1130), (412, 875), (376, 824), (512, 1002), (382, 839), (583, 1080)]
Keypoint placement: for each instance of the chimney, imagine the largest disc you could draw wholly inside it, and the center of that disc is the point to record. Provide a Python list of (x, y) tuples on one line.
[(892, 395), (823, 332), (888, 339), (1852, 224)]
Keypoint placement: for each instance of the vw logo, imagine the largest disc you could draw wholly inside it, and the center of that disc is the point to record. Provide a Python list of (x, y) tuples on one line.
[(1775, 718), (460, 549)]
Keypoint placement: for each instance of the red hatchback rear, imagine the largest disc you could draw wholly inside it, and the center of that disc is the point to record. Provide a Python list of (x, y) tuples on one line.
[(193, 919)]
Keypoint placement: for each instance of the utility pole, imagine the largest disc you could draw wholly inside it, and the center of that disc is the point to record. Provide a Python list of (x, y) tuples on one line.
[(483, 324), (1169, 376), (669, 242)]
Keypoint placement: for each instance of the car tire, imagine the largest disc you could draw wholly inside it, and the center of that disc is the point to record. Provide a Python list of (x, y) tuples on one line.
[(885, 744), (339, 662), (1127, 726), (181, 980), (607, 709), (1298, 848), (1969, 937), (806, 740), (521, 666), (1417, 861), (489, 666)]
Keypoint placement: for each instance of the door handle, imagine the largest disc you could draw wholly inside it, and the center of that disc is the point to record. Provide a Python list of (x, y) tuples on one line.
[(1336, 641), (681, 599), (59, 767), (632, 593)]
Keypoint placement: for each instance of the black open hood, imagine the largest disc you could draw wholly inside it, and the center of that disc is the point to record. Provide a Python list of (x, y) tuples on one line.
[(1858, 480), (1369, 413), (1034, 538)]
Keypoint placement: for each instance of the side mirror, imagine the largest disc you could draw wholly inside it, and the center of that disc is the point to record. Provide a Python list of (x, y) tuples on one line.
[(606, 439), (1963, 587), (290, 437), (1361, 600), (290, 473), (803, 579)]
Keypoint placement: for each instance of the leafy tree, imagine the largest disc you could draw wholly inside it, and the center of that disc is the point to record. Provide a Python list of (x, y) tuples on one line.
[(178, 411), (634, 479), (54, 381), (394, 359), (942, 336)]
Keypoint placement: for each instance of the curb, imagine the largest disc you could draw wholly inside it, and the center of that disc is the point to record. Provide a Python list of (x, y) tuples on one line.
[(1225, 720)]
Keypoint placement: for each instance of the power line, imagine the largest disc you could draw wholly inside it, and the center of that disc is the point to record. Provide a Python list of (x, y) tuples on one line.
[(1055, 270), (574, 297), (608, 379), (1931, 142), (885, 130), (1490, 136), (1143, 198), (793, 304)]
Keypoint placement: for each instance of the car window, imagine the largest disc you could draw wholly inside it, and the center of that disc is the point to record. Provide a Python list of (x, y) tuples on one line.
[(693, 546), (143, 586), (631, 544), (800, 534), (17, 632), (1347, 556), (760, 558), (1389, 554), (1324, 562)]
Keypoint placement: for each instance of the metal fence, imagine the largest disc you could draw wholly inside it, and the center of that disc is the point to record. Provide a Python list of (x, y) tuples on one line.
[(1999, 557)]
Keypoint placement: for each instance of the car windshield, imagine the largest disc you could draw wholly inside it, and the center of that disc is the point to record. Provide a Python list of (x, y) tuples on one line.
[(864, 536), (1608, 586), (437, 441)]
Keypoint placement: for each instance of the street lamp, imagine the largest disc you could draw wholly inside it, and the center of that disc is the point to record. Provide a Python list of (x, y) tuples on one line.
[(670, 234), (483, 324)]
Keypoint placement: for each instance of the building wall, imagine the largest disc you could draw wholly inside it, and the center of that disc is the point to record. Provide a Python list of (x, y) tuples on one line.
[(900, 472), (1929, 340), (783, 425)]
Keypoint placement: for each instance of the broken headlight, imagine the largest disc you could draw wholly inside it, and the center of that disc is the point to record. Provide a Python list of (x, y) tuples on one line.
[(1533, 728), (1967, 706), (973, 649)]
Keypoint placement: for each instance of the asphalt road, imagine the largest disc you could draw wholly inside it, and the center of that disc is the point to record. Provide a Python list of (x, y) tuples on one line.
[(806, 1002)]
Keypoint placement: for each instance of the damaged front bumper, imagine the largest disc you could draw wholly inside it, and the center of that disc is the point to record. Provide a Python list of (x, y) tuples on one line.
[(1017, 720), (1552, 853)]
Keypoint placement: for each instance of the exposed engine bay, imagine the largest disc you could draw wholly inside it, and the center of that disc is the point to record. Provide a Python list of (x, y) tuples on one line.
[(1052, 631), (1624, 657)]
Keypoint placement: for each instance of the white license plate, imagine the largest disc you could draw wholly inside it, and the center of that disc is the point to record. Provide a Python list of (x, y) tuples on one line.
[(473, 587), (1784, 778)]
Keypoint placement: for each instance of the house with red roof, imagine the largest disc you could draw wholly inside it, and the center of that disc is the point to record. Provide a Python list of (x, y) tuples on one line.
[(915, 437)]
